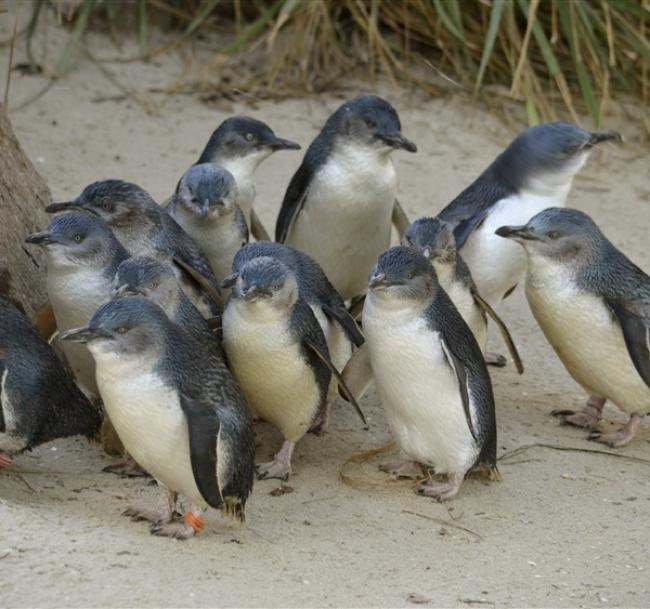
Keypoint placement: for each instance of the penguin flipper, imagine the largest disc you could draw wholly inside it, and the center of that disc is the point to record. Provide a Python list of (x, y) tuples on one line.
[(400, 220), (505, 333), (636, 333), (466, 227), (293, 202), (45, 322), (346, 321), (201, 280), (309, 344), (257, 228), (357, 373), (461, 375), (203, 429)]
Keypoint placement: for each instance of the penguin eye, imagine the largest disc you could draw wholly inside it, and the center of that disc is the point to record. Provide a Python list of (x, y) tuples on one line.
[(410, 275), (78, 238), (553, 234), (370, 123), (249, 137), (153, 285), (122, 330)]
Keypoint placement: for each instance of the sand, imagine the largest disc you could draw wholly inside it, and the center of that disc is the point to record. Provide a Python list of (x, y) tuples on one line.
[(562, 529)]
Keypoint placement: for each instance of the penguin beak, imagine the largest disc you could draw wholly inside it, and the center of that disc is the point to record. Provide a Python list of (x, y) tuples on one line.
[(43, 238), (124, 290), (378, 280), (54, 208), (252, 293), (397, 140), (83, 335), (598, 137), (516, 233), (229, 281), (205, 208), (279, 144)]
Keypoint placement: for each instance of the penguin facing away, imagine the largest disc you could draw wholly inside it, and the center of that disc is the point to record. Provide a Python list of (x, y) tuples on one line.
[(435, 239), (339, 204), (278, 354), (593, 305), (188, 425), (534, 172), (146, 229), (430, 374), (205, 206), (39, 402)]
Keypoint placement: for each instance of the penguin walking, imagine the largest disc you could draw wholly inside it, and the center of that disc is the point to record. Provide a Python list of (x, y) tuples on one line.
[(205, 207), (39, 402), (593, 305), (435, 238), (239, 145), (278, 354), (339, 204), (82, 255), (188, 425), (534, 172), (430, 374), (146, 229)]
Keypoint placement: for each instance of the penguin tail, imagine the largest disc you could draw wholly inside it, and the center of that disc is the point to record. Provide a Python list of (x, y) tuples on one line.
[(234, 508)]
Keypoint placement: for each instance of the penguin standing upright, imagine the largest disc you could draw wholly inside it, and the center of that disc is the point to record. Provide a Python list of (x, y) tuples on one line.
[(430, 374)]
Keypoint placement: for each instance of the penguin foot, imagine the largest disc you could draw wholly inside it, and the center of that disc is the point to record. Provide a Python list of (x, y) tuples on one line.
[(402, 468), (126, 469), (587, 418), (280, 467), (620, 438), (139, 514), (5, 460), (165, 512), (441, 491), (495, 359), (177, 529)]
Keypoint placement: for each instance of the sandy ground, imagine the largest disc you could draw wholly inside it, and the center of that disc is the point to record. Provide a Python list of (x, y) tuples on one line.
[(561, 529)]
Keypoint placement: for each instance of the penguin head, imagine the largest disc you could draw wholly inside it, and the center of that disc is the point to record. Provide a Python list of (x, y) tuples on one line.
[(372, 122), (207, 191), (76, 239), (241, 137), (403, 273), (557, 232), (115, 201), (147, 277), (125, 328), (264, 280), (433, 237), (550, 153)]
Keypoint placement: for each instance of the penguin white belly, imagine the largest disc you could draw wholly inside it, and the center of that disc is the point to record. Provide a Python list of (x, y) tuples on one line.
[(269, 366), (586, 336), (75, 296), (418, 389), (463, 300), (345, 222), (10, 441), (148, 418), (498, 264), (242, 170)]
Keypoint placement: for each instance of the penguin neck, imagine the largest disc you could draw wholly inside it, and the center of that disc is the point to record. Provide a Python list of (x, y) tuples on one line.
[(242, 168), (361, 158), (446, 272), (260, 312), (385, 302), (553, 186), (546, 272)]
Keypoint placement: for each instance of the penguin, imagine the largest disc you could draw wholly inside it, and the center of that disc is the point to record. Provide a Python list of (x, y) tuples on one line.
[(39, 402), (339, 204), (239, 145), (534, 172), (340, 330), (278, 354), (146, 229), (82, 255), (188, 425), (593, 305), (205, 207), (435, 238), (430, 374), (157, 282)]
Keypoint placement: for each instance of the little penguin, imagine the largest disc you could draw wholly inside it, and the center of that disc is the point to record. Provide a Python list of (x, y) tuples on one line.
[(146, 229), (39, 402), (339, 204), (157, 282), (239, 145), (430, 374), (278, 354), (435, 239), (340, 330), (534, 172), (593, 305), (205, 206), (188, 425), (82, 255)]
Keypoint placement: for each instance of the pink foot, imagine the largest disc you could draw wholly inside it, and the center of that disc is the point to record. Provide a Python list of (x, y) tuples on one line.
[(162, 515), (402, 468), (623, 436), (5, 460), (191, 525), (495, 359), (587, 418), (441, 491), (280, 467), (126, 469)]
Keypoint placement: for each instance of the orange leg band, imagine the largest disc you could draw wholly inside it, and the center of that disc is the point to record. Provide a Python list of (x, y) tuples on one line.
[(196, 522)]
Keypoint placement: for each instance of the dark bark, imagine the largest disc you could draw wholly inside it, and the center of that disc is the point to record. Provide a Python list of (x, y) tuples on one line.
[(23, 197)]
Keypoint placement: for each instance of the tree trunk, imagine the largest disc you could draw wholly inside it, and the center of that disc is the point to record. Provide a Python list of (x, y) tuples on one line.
[(23, 196)]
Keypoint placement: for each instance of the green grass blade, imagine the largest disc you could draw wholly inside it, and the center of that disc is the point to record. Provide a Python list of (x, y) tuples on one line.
[(144, 27), (542, 42), (493, 28), (448, 21), (203, 13), (587, 92), (80, 26), (253, 29)]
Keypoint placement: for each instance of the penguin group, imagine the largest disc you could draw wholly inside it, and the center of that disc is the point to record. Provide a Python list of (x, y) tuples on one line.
[(179, 326)]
